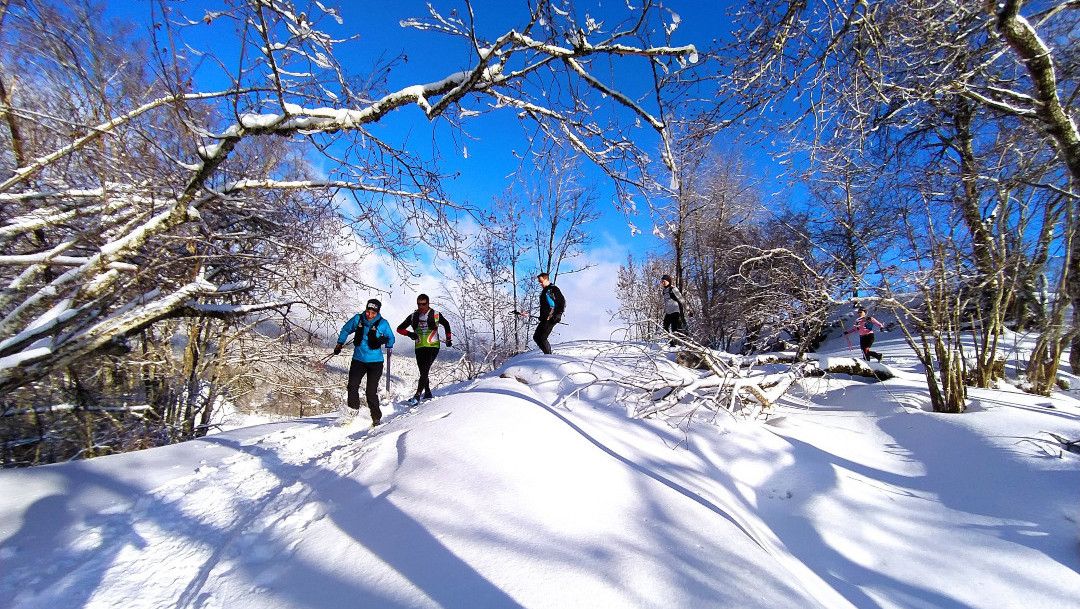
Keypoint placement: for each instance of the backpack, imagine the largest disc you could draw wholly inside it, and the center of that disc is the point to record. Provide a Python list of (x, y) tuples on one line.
[(432, 323), (433, 319), (552, 290), (357, 337), (671, 291)]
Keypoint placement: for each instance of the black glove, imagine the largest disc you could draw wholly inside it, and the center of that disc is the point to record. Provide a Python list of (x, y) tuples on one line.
[(373, 339), (556, 319), (411, 335), (337, 349), (449, 343)]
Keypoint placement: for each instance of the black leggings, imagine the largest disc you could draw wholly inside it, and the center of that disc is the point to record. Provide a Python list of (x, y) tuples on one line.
[(673, 322), (425, 356), (865, 342), (373, 370), (543, 330)]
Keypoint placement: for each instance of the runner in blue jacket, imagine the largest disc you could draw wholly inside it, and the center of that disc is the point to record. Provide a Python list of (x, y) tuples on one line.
[(552, 307), (370, 332)]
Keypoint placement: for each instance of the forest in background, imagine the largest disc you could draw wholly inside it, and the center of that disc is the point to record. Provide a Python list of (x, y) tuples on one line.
[(166, 247)]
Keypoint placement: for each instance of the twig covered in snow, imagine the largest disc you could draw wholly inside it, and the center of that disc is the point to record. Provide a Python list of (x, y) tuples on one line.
[(134, 200)]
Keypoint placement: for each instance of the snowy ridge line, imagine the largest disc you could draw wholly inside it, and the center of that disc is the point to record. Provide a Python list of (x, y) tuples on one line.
[(280, 515), (754, 530)]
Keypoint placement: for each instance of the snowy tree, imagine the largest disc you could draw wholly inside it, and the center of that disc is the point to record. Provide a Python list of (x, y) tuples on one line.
[(633, 288), (297, 58), (544, 218), (853, 221), (641, 305), (744, 263), (727, 206), (561, 206), (131, 197), (932, 89)]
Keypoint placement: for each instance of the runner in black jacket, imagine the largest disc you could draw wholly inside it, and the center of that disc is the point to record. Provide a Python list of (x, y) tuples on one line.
[(675, 307), (552, 305)]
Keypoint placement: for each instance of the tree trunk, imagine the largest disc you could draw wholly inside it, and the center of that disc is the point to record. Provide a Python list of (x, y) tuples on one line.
[(1049, 347), (13, 127), (991, 290), (83, 415), (1055, 121), (1039, 61), (947, 393), (953, 396), (1074, 351), (1073, 286), (946, 384), (1043, 365), (192, 355)]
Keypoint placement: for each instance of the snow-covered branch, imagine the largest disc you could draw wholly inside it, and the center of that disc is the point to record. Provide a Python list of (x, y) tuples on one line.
[(21, 174), (1001, 106), (1038, 59), (586, 49), (175, 184)]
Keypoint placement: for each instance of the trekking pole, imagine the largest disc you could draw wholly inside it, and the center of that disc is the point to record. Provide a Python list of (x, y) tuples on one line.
[(321, 364), (844, 330), (523, 314), (389, 352)]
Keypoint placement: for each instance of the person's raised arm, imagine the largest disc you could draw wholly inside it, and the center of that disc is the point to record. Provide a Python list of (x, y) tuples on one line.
[(403, 328)]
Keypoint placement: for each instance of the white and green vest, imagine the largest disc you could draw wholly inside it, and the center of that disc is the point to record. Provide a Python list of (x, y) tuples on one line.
[(427, 328)]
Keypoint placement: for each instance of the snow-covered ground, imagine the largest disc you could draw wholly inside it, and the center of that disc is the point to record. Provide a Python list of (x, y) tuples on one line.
[(527, 489)]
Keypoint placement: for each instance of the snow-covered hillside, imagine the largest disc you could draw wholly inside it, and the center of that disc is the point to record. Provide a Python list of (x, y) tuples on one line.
[(521, 489)]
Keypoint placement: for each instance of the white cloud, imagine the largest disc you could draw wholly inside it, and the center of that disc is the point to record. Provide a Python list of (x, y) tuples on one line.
[(592, 298), (397, 294), (591, 294)]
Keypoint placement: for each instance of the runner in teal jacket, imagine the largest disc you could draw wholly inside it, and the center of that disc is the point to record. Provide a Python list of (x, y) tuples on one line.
[(370, 333), (363, 350)]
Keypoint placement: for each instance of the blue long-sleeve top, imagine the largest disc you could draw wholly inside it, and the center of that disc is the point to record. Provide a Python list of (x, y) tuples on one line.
[(362, 351)]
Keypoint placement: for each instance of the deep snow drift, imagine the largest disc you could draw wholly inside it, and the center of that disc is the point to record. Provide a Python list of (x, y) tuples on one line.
[(531, 487)]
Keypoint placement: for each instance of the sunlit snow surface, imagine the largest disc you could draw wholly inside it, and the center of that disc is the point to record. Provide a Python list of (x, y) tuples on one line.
[(532, 487)]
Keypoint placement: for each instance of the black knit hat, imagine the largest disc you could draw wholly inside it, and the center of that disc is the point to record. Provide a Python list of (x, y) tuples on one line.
[(374, 305), (665, 278)]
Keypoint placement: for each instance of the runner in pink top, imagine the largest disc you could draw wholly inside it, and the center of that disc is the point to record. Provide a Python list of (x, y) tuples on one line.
[(864, 325)]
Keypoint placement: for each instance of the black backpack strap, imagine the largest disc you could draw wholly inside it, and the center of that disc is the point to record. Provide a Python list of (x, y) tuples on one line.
[(430, 319)]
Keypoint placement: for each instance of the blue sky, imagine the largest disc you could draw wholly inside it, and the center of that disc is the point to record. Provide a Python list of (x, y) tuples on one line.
[(492, 139)]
